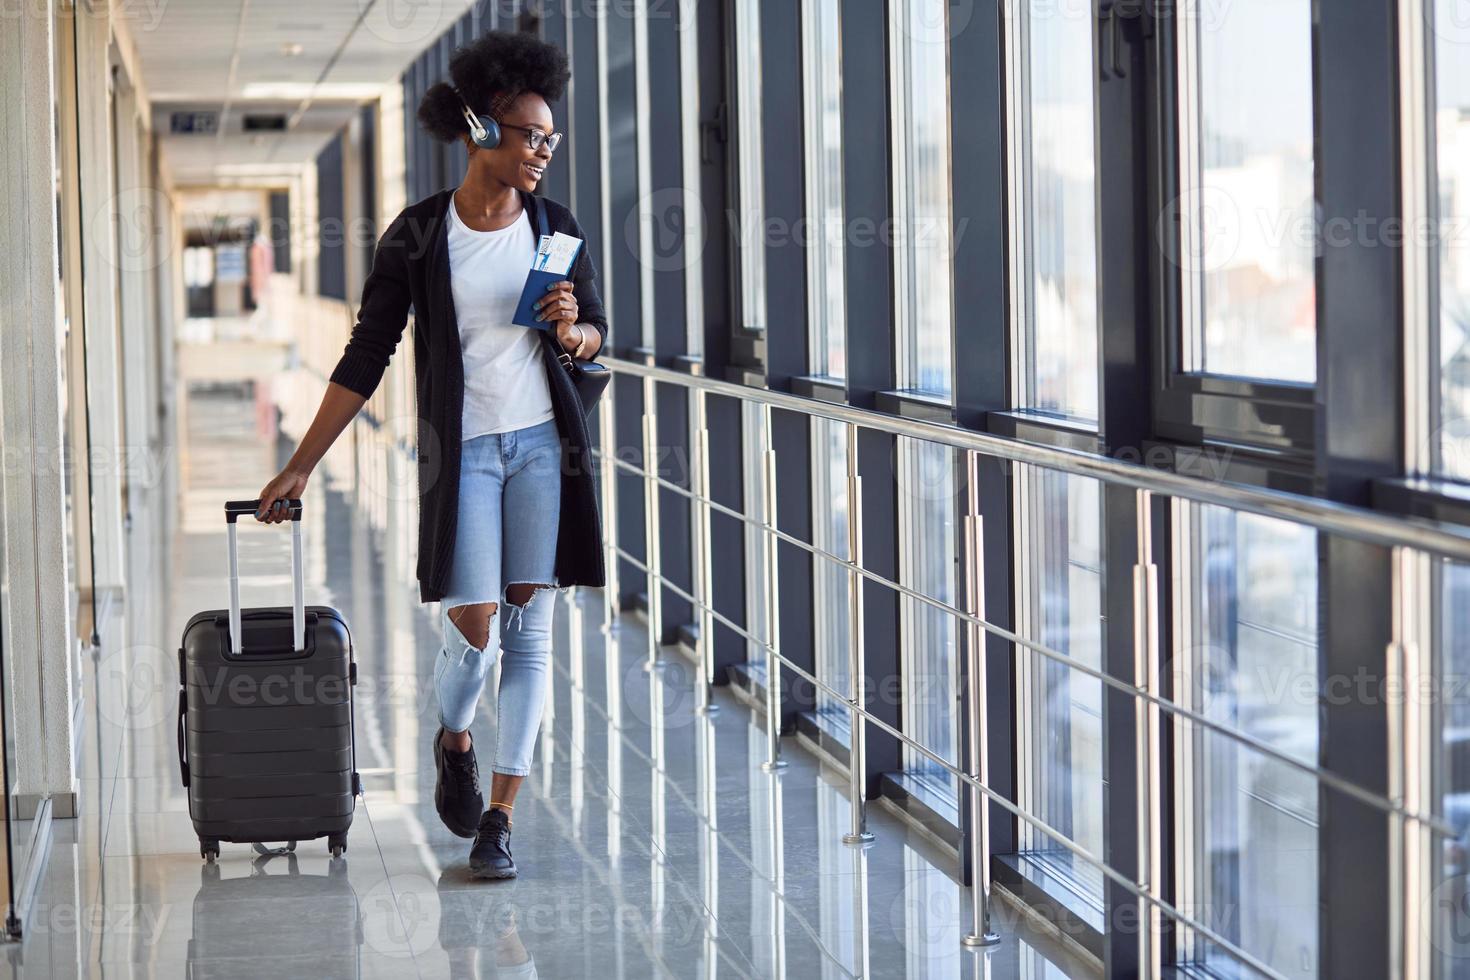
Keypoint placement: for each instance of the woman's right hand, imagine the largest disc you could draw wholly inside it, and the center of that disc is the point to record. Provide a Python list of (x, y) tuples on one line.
[(287, 484)]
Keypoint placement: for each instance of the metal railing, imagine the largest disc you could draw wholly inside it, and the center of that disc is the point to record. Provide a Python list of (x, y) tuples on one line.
[(1356, 523)]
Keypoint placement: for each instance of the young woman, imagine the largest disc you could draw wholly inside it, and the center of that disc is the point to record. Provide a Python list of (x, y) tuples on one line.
[(508, 509)]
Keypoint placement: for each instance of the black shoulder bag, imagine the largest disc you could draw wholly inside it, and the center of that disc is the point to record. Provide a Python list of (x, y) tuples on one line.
[(589, 378)]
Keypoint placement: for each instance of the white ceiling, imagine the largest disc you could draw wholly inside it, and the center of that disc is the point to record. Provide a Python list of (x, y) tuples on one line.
[(230, 56)]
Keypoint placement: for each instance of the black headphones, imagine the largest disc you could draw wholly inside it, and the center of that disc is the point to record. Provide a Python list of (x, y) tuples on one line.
[(484, 130)]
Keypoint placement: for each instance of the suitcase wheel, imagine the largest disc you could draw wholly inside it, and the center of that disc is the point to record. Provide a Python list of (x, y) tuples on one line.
[(208, 849), (337, 843)]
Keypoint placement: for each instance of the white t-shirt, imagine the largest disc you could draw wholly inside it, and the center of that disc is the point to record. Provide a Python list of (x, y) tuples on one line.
[(505, 384)]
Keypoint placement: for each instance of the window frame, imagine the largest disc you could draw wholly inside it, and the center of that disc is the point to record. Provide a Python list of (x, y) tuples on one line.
[(747, 176), (1276, 418), (1020, 236), (906, 295), (819, 193)]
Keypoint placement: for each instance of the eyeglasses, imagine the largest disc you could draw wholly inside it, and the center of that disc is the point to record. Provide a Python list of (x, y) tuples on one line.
[(534, 137)]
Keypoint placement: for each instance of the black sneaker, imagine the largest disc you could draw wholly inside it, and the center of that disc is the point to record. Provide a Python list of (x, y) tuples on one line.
[(457, 789), (490, 857)]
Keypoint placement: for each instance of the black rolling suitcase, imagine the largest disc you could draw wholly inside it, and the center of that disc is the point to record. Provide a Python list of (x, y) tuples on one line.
[(265, 731)]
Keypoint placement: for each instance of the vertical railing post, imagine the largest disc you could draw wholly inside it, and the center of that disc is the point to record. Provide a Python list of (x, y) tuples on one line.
[(707, 807), (1413, 934), (773, 606), (1146, 728), (704, 591), (611, 604), (977, 745), (856, 757), (650, 525), (862, 953)]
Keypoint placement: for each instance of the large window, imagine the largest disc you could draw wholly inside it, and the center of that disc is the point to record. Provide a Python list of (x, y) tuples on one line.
[(1058, 708), (645, 139), (919, 96), (1246, 619), (926, 513), (822, 92), (751, 219), (1246, 180), (1053, 188), (1452, 196), (691, 212), (1450, 898), (1451, 893)]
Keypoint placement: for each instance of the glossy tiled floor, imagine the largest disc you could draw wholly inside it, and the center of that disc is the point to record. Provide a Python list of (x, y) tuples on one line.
[(650, 842)]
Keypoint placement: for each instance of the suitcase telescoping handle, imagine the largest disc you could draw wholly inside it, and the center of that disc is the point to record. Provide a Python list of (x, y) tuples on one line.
[(233, 509)]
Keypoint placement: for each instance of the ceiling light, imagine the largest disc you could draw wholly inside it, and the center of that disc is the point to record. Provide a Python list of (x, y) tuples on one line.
[(257, 169), (291, 49), (303, 90)]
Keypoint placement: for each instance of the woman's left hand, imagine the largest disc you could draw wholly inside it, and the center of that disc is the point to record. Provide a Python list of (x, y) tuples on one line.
[(559, 305)]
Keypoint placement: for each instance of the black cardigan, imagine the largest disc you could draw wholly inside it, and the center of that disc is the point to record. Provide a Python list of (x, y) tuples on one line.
[(411, 269)]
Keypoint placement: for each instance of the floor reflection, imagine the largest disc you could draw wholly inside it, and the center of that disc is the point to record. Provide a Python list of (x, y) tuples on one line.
[(650, 841)]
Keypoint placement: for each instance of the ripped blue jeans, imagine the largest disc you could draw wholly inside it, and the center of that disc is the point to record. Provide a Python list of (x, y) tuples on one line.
[(509, 513)]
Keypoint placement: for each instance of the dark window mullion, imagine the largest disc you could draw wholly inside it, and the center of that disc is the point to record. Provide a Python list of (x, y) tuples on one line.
[(1124, 46)]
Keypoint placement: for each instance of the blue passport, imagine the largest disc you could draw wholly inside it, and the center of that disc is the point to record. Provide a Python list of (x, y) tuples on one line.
[(538, 282)]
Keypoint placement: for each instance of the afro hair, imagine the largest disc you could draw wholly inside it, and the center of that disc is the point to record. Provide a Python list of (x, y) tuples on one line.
[(493, 68)]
